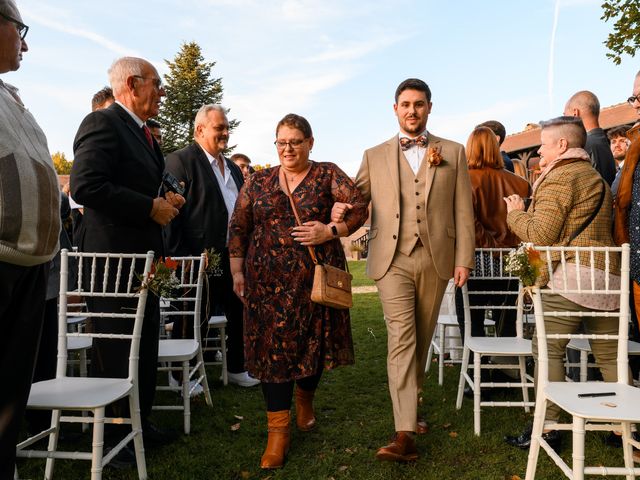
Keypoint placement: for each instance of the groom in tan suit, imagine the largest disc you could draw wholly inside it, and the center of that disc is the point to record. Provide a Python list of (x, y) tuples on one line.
[(422, 234)]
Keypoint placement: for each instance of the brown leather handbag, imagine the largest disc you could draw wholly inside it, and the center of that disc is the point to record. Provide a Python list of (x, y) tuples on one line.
[(331, 285)]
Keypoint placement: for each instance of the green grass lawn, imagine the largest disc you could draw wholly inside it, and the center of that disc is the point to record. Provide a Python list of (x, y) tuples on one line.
[(357, 269), (354, 419)]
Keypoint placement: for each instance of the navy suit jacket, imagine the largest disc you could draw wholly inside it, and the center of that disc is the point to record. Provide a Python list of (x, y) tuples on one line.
[(203, 220), (116, 175)]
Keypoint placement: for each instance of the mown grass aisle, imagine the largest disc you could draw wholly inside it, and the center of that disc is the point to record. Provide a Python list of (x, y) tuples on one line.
[(354, 419)]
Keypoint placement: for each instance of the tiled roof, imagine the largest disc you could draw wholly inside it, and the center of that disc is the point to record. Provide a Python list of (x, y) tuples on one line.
[(620, 114)]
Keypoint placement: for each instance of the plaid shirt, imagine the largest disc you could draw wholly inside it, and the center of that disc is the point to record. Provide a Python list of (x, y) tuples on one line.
[(562, 202)]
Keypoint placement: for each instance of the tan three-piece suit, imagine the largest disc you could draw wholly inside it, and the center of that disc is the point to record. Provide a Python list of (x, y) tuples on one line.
[(421, 227)]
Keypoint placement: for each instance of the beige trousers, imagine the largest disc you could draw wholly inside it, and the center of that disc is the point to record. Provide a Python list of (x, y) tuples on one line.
[(411, 293), (604, 351)]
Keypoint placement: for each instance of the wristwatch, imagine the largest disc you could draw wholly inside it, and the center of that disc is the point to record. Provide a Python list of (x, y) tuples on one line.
[(334, 230)]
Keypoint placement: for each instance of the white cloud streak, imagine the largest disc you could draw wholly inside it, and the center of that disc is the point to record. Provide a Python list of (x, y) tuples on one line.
[(94, 37), (552, 47), (355, 50)]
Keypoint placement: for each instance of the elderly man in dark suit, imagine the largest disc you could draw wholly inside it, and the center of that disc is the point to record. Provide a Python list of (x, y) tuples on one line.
[(116, 175), (212, 183)]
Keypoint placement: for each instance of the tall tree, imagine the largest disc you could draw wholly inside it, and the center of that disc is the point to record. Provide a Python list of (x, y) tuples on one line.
[(188, 85), (625, 38), (61, 164)]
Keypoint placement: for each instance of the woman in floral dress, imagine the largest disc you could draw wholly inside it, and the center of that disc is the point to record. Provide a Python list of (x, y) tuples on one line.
[(289, 340)]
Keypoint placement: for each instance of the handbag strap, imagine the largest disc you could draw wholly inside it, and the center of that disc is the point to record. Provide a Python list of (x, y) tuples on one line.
[(588, 221), (312, 250)]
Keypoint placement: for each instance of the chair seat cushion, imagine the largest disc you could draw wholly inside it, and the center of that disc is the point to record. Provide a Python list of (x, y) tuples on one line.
[(623, 406), (217, 321), (582, 344), (77, 393), (177, 350), (500, 345), (79, 343)]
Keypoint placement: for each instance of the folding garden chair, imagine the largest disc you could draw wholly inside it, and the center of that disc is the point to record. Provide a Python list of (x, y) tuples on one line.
[(216, 341), (608, 406), (491, 267), (186, 304), (111, 276)]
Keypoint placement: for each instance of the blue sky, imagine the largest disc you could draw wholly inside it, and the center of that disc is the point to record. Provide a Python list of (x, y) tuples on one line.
[(337, 62)]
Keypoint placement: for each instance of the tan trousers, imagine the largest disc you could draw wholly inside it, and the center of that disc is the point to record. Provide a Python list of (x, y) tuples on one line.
[(411, 293), (604, 351)]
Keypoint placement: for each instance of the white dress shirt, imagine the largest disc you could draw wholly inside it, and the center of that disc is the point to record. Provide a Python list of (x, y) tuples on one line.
[(136, 118), (226, 183), (414, 154)]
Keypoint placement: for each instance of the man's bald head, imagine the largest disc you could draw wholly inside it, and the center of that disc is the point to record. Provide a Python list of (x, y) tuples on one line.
[(583, 104)]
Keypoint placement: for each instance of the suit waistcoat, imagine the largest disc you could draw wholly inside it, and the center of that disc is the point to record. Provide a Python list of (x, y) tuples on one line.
[(413, 212)]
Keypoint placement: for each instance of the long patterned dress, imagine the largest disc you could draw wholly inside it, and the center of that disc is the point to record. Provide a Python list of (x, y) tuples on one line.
[(287, 336)]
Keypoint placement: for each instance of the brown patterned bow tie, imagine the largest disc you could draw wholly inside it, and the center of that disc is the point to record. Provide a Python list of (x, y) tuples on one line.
[(407, 143)]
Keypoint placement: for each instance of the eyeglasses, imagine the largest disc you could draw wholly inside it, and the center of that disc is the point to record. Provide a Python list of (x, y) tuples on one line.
[(632, 99), (157, 82), (295, 144), (21, 27)]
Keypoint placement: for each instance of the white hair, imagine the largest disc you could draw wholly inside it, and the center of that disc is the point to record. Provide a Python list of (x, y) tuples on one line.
[(203, 112), (123, 68)]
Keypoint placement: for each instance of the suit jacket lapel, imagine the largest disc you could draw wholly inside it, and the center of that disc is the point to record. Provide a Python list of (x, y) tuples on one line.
[(431, 171), (392, 161), (138, 134), (203, 161), (236, 174)]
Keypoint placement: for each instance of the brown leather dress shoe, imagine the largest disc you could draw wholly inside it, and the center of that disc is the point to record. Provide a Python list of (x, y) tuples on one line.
[(401, 449), (422, 426)]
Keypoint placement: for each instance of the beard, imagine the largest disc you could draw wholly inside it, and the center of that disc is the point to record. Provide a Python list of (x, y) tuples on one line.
[(414, 128)]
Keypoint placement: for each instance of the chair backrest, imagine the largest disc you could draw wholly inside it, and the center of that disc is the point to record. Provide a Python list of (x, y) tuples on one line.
[(187, 303), (589, 271), (112, 276), (490, 265)]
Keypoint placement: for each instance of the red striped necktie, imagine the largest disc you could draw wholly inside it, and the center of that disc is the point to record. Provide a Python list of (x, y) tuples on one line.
[(147, 134)]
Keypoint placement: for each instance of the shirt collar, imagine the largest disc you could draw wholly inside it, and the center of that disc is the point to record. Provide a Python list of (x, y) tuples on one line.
[(404, 135), (211, 158), (136, 119)]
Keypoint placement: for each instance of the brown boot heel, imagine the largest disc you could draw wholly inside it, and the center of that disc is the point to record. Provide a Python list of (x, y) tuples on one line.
[(278, 440), (305, 417)]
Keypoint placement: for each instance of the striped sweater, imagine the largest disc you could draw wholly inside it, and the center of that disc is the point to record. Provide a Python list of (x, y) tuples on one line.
[(29, 191)]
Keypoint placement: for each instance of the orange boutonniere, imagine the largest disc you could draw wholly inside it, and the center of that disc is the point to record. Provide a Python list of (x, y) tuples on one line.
[(434, 156)]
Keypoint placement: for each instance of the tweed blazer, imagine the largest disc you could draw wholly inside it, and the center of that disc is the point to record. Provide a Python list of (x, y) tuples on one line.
[(450, 222), (561, 203)]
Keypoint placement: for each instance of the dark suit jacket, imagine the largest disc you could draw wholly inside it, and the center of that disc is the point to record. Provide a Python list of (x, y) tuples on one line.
[(203, 220), (115, 176)]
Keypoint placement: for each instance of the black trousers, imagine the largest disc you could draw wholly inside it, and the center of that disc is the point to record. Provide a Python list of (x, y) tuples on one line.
[(505, 319), (278, 395), (219, 298), (221, 295), (22, 300), (45, 366), (110, 358)]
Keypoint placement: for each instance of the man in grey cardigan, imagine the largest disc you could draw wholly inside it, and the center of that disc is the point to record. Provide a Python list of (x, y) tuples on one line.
[(29, 229)]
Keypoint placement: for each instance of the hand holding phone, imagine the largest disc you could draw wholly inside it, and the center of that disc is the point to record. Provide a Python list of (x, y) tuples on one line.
[(171, 184)]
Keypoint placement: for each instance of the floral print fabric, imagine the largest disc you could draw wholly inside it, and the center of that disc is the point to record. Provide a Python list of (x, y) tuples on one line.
[(287, 336)]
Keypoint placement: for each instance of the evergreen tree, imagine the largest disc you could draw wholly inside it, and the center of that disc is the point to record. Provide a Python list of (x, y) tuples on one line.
[(188, 85)]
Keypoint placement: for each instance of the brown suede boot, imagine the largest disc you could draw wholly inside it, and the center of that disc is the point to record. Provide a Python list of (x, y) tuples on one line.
[(278, 440), (305, 418)]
